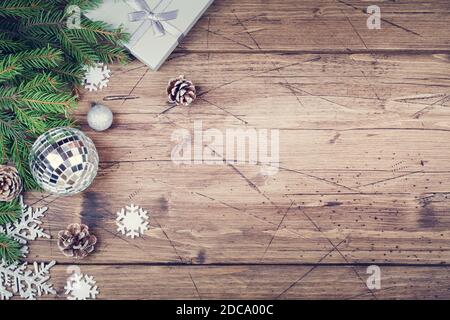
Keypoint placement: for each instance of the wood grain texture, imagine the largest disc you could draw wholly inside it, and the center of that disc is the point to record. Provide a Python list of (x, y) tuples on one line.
[(321, 25), (364, 174), (261, 282)]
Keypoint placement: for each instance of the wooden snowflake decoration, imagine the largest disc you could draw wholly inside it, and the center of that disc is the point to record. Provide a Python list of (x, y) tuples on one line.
[(132, 221), (27, 227), (81, 287), (18, 279), (96, 77)]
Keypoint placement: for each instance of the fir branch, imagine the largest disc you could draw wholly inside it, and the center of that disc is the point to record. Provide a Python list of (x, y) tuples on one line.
[(3, 148), (19, 156), (8, 45), (46, 101), (7, 96), (42, 82), (22, 8), (10, 129), (34, 123), (9, 211), (95, 31), (77, 49), (40, 58), (70, 73), (110, 53), (9, 68), (41, 66), (44, 22), (9, 249)]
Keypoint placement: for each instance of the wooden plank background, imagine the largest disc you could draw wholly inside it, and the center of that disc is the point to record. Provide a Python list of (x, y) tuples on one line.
[(364, 177)]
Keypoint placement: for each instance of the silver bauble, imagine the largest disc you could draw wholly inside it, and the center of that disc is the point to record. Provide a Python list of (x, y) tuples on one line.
[(64, 161), (100, 118)]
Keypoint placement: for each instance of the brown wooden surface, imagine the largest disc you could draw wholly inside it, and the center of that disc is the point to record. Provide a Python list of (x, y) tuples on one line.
[(364, 126)]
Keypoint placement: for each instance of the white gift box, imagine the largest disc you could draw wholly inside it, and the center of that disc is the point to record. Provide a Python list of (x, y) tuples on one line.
[(156, 26)]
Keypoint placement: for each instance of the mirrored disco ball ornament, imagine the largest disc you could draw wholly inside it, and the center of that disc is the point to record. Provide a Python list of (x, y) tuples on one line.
[(64, 161)]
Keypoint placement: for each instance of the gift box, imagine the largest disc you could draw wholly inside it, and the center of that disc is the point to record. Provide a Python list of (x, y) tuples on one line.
[(156, 26)]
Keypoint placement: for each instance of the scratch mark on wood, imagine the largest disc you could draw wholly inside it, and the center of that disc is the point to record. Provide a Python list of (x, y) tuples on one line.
[(249, 76), (195, 286), (421, 97), (337, 250), (427, 109), (224, 110), (135, 86), (250, 214), (168, 109), (401, 27), (246, 31), (357, 33), (316, 96), (306, 273), (287, 86), (252, 185), (319, 179), (207, 38), (249, 19), (275, 233), (359, 295), (170, 241), (388, 179), (382, 19), (227, 38), (39, 200), (133, 69), (221, 202)]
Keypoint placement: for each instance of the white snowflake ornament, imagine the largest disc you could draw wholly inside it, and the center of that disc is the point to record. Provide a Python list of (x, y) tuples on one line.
[(132, 221), (96, 77), (81, 287), (27, 227), (18, 279)]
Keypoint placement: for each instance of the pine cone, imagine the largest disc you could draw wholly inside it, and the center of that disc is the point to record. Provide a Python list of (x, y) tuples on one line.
[(181, 91), (76, 241), (10, 183)]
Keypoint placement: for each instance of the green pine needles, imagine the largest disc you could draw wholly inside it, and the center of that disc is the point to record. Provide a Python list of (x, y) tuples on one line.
[(41, 67), (9, 249)]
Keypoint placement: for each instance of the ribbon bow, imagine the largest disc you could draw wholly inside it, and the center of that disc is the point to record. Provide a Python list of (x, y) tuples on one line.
[(150, 19)]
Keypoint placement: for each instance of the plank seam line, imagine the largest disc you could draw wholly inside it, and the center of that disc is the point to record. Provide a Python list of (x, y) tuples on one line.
[(205, 265), (318, 51)]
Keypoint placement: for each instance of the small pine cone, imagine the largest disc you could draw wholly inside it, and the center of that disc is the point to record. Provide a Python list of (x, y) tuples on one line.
[(181, 91), (10, 183), (76, 241)]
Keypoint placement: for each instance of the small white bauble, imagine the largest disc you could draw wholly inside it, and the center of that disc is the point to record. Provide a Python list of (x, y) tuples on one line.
[(100, 118)]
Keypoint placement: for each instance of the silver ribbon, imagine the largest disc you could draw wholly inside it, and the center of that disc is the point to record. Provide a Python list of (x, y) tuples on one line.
[(157, 21)]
